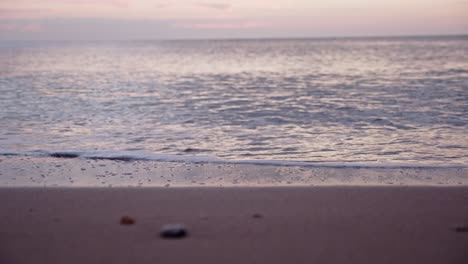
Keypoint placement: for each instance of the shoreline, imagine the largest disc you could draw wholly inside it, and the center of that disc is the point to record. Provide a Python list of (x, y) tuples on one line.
[(19, 171), (126, 156), (320, 224)]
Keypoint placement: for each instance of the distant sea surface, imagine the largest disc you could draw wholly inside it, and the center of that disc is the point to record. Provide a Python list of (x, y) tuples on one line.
[(375, 101)]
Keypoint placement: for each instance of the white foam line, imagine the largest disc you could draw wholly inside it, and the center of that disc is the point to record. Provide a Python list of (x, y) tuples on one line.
[(132, 156)]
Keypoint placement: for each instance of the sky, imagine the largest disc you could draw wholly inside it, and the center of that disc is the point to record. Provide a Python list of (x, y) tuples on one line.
[(193, 19)]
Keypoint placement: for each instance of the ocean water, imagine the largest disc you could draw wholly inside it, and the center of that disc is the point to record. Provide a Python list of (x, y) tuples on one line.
[(373, 101)]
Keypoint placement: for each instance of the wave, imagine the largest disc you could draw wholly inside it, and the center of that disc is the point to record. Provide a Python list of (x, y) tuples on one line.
[(142, 156)]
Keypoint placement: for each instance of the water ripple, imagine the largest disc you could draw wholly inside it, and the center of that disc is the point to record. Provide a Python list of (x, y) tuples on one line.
[(375, 101)]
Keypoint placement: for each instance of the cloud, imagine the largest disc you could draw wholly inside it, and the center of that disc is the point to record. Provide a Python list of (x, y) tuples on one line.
[(84, 29), (206, 5), (74, 29), (26, 3), (22, 27), (163, 5), (220, 25), (31, 9), (8, 27), (9, 13), (461, 4), (112, 3), (32, 27), (218, 6)]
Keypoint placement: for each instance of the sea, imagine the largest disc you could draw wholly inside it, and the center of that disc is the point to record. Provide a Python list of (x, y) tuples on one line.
[(383, 101)]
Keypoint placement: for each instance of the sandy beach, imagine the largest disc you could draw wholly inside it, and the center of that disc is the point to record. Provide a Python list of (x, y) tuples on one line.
[(70, 210), (235, 225)]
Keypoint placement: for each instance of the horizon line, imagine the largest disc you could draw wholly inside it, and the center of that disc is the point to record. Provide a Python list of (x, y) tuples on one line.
[(396, 36)]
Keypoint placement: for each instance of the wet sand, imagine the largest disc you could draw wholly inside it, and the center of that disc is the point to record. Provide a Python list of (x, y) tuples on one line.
[(367, 224), (19, 171)]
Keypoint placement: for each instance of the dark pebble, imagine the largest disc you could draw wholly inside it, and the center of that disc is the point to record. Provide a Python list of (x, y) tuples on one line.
[(127, 220), (257, 215), (461, 229), (173, 231)]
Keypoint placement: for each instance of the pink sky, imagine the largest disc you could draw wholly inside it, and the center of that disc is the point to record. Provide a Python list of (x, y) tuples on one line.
[(127, 19)]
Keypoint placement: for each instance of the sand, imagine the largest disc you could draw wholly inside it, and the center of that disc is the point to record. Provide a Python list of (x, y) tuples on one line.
[(360, 224), (72, 210)]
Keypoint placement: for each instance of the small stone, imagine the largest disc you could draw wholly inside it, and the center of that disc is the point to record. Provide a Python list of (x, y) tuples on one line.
[(173, 231), (127, 220), (257, 215), (461, 229)]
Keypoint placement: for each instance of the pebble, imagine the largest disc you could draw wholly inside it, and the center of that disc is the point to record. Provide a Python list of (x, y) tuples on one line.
[(257, 215), (461, 229), (127, 220), (173, 231)]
